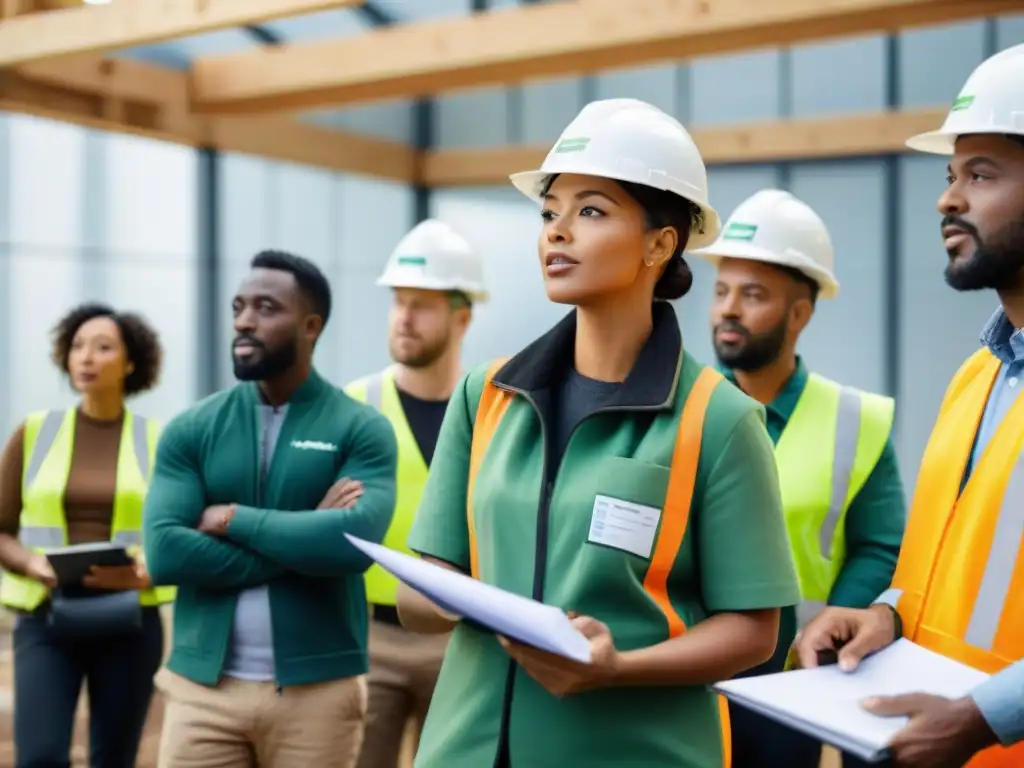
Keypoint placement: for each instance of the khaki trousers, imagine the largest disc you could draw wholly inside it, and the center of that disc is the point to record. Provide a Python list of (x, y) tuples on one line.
[(403, 671), (241, 724)]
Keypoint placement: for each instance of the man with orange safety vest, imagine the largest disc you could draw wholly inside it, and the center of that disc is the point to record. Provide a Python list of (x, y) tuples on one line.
[(436, 277), (841, 489), (959, 584)]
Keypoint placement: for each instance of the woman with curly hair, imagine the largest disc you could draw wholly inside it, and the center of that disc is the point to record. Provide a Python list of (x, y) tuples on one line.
[(75, 477)]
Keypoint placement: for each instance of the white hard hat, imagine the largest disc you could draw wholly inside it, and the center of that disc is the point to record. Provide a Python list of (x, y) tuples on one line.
[(776, 227), (629, 140), (991, 101), (435, 257)]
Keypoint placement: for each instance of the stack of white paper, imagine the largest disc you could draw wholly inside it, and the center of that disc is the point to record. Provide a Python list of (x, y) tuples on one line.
[(825, 702), (518, 618)]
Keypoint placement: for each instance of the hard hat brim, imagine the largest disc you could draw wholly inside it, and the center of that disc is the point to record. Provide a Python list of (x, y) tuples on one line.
[(828, 286), (531, 184), (416, 281), (933, 142), (943, 142)]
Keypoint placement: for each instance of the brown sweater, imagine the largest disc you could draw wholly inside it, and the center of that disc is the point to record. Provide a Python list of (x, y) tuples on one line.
[(89, 496)]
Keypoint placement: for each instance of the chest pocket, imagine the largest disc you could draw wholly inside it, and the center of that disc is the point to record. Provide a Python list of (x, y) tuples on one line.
[(316, 467), (629, 498)]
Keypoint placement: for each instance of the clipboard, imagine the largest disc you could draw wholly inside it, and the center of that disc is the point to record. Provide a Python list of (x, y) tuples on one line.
[(72, 564)]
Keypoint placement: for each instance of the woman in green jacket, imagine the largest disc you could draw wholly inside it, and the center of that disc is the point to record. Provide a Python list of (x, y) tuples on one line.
[(603, 470)]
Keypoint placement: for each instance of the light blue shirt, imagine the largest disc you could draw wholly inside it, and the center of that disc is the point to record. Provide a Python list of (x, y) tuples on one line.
[(1001, 697)]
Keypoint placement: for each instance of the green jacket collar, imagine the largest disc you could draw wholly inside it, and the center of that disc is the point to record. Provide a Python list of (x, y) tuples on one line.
[(651, 383), (785, 402), (308, 392)]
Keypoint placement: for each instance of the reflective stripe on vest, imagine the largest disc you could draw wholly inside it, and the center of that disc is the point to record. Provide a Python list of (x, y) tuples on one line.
[(826, 453), (380, 392), (48, 447), (494, 401), (959, 583)]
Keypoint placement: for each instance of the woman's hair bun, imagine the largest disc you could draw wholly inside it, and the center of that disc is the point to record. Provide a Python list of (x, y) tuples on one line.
[(676, 281)]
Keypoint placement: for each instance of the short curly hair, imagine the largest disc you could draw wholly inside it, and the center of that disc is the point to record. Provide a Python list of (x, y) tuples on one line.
[(141, 342)]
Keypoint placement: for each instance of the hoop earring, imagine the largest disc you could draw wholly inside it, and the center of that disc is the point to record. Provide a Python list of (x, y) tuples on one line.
[(648, 263)]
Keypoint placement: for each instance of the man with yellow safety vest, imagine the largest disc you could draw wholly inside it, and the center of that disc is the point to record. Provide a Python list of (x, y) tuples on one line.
[(436, 277), (959, 585), (841, 489)]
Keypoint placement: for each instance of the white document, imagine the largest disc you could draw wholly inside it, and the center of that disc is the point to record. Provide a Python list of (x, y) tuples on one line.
[(826, 702), (518, 618), (624, 525)]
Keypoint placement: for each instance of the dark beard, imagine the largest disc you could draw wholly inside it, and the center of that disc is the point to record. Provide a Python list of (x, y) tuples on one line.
[(995, 264), (269, 363), (756, 352)]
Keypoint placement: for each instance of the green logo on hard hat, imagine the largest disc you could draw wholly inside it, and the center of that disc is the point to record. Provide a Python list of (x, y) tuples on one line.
[(572, 145), (412, 261), (962, 103), (739, 231)]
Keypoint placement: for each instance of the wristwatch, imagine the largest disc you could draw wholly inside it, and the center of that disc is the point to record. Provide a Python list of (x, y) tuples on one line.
[(897, 622)]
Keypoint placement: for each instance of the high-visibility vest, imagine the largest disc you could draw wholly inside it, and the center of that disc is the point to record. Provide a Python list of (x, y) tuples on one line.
[(494, 401), (48, 446), (960, 576), (826, 452), (380, 391)]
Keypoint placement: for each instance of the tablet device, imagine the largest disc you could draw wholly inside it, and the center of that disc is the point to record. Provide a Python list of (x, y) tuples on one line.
[(72, 564)]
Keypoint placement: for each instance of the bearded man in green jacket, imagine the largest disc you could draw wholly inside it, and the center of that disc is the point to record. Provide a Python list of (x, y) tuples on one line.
[(252, 493)]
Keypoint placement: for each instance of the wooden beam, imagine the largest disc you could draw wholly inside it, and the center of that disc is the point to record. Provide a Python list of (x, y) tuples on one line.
[(832, 137), (541, 41), (141, 99), (127, 23)]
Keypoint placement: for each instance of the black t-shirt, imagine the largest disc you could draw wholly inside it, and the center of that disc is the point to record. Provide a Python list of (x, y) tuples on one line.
[(424, 417), (576, 398)]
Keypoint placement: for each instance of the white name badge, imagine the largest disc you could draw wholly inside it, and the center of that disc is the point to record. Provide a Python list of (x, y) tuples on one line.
[(624, 525)]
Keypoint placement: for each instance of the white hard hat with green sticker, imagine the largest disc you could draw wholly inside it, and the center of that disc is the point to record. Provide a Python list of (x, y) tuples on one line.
[(630, 140), (776, 227), (991, 101), (433, 256)]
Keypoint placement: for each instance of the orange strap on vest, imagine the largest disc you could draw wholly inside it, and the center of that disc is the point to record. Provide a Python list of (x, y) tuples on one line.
[(494, 401), (946, 604)]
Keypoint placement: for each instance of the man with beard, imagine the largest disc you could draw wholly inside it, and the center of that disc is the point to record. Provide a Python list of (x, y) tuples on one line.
[(841, 489), (959, 585), (253, 492), (436, 277)]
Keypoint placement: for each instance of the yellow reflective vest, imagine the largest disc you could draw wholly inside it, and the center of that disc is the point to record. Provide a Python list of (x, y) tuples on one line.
[(48, 445), (380, 391), (826, 452)]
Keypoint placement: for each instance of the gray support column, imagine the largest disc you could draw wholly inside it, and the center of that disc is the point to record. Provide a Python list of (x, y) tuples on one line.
[(210, 344), (891, 290)]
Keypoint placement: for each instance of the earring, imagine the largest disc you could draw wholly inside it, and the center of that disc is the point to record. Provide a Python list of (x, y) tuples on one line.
[(648, 263)]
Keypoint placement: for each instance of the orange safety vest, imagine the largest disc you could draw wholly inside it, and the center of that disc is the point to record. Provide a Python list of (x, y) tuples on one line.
[(494, 401), (960, 570)]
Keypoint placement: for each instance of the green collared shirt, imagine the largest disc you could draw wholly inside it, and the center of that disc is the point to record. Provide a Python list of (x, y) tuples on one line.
[(874, 523)]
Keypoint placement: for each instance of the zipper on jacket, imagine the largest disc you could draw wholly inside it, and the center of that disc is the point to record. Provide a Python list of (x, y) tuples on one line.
[(504, 757)]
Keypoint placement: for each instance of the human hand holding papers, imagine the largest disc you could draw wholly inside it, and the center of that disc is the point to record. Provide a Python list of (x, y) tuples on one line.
[(826, 703), (518, 618)]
